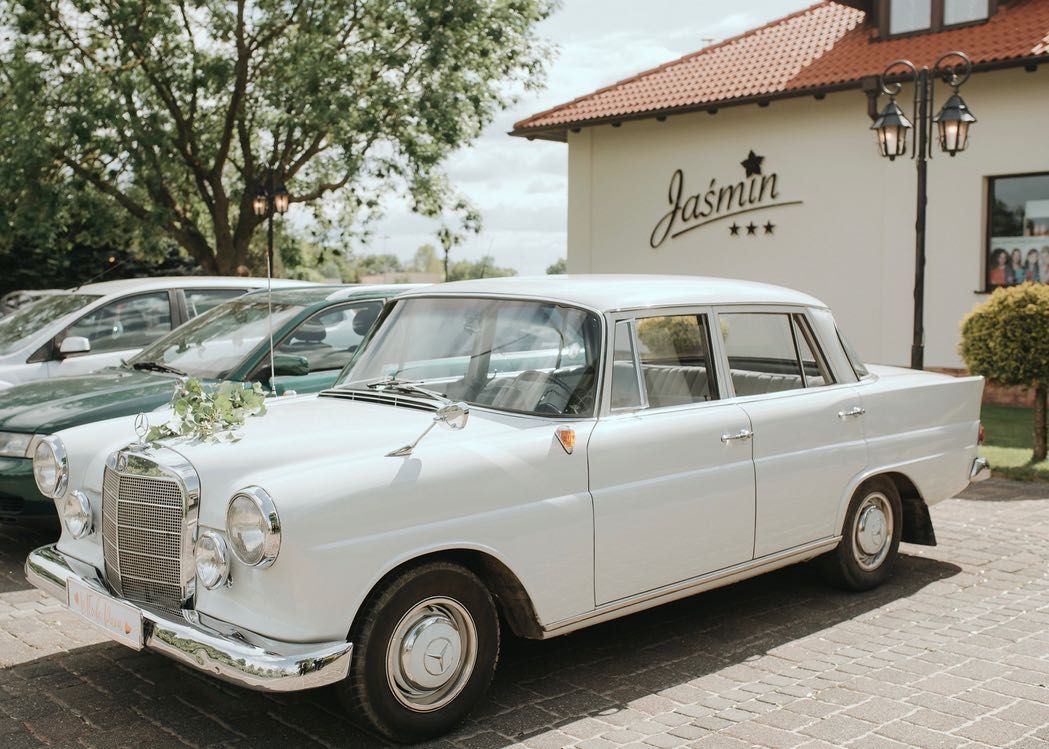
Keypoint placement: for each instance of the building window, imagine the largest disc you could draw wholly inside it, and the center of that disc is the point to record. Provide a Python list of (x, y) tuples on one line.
[(964, 11), (1018, 230), (916, 16), (909, 15)]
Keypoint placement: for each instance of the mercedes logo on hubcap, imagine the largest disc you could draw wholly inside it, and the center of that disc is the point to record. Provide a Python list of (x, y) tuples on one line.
[(435, 656)]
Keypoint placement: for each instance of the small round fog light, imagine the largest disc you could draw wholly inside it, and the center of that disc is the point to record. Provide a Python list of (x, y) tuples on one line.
[(212, 559), (76, 514)]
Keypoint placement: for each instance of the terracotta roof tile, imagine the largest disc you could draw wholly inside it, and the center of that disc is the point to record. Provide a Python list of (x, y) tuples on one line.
[(822, 46)]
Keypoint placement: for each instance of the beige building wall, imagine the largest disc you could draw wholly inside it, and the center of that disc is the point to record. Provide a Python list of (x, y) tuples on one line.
[(851, 240)]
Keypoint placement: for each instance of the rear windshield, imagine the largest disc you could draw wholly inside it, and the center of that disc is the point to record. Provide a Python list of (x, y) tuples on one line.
[(20, 324)]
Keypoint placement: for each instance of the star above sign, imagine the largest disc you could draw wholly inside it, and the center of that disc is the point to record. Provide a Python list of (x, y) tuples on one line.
[(752, 164)]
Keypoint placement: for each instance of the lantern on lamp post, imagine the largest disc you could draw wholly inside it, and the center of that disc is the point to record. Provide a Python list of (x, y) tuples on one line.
[(891, 127)]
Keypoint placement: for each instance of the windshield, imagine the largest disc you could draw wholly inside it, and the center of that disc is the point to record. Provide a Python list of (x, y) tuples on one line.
[(22, 323), (212, 345), (526, 357)]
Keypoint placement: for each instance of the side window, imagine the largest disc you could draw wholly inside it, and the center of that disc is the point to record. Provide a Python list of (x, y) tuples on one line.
[(854, 359), (814, 368), (329, 339), (626, 390), (761, 353), (199, 301), (127, 323), (674, 352)]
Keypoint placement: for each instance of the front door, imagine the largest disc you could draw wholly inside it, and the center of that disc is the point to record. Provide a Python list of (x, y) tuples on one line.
[(808, 431), (670, 467)]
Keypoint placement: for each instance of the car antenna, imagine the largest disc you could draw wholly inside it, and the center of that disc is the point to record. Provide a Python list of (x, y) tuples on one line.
[(95, 278)]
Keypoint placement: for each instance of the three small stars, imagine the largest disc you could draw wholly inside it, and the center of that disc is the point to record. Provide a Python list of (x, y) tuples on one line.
[(752, 228)]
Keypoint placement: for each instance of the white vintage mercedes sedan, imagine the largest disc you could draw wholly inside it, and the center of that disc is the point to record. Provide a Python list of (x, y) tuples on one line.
[(604, 444)]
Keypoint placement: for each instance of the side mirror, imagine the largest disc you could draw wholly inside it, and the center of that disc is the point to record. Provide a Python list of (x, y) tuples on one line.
[(74, 344), (287, 365), (451, 416)]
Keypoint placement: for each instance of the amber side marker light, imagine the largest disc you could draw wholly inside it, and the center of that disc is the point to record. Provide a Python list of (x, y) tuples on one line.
[(981, 436), (566, 436)]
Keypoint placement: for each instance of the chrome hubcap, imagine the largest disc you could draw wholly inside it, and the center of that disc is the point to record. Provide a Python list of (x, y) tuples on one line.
[(431, 654), (872, 531)]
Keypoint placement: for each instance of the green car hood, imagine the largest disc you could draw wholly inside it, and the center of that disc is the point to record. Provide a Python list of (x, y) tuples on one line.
[(46, 406)]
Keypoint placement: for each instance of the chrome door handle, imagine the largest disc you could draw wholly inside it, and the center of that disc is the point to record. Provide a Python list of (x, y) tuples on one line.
[(854, 411), (742, 434)]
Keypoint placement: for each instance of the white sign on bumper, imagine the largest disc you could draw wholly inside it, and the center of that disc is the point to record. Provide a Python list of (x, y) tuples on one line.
[(119, 620)]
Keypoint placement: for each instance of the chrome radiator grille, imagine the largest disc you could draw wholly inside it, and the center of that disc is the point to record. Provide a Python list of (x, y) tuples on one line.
[(144, 537)]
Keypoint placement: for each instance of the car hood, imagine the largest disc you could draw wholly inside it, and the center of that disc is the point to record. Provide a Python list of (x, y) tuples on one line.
[(46, 406), (322, 435)]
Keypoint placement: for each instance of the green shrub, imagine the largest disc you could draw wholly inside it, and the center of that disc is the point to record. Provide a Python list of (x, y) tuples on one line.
[(1006, 339)]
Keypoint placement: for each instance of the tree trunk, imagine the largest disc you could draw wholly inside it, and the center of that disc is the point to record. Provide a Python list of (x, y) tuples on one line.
[(1040, 393)]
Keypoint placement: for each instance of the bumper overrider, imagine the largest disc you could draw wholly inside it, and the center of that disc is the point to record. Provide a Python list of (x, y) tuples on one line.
[(230, 653), (980, 471)]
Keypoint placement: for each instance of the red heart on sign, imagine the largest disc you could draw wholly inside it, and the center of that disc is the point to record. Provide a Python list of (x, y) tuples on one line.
[(127, 629)]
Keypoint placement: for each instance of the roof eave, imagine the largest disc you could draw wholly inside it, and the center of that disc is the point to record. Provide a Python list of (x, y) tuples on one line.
[(559, 132)]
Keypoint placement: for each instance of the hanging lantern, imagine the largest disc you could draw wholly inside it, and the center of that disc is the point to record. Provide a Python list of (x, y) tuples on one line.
[(953, 122), (891, 127)]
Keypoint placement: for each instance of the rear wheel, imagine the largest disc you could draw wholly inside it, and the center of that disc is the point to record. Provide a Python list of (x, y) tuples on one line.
[(870, 537), (424, 652)]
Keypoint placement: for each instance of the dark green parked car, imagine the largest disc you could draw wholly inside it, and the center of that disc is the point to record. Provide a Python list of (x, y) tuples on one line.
[(316, 330)]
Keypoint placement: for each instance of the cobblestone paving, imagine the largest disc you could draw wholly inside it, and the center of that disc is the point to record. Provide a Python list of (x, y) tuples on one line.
[(953, 652)]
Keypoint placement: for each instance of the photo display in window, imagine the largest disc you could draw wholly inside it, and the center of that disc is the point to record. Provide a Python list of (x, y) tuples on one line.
[(1018, 246)]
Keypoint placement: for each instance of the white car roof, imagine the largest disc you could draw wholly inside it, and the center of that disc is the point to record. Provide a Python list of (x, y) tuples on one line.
[(618, 292), (125, 285)]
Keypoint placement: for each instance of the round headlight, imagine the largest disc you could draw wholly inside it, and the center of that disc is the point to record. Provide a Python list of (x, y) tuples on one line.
[(253, 527), (50, 468), (211, 559), (76, 514)]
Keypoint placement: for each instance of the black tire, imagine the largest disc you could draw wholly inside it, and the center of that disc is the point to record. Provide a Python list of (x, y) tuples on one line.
[(371, 691), (843, 566)]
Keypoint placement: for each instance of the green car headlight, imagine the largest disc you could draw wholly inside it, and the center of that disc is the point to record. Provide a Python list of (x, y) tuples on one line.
[(15, 444)]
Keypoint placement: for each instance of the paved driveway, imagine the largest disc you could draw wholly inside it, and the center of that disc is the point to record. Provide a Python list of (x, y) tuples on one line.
[(953, 652)]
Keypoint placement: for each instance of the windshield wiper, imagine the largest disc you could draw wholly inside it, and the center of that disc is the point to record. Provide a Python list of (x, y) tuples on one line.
[(405, 386), (155, 366)]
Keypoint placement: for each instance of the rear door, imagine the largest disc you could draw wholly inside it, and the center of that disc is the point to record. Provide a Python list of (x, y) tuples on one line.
[(670, 461), (808, 430)]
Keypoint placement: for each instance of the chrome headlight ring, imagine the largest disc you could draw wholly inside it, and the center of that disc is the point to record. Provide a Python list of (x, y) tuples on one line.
[(50, 467), (253, 527)]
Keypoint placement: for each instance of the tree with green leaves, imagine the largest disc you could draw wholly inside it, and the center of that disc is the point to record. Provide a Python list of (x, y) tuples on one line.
[(557, 268), (485, 267), (180, 111), (1004, 340)]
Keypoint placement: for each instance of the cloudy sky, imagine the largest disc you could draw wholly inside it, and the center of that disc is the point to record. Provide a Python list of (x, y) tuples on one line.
[(520, 186)]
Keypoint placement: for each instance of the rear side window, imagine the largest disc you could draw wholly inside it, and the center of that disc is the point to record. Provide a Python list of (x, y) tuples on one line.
[(854, 359), (199, 301), (128, 323), (771, 352)]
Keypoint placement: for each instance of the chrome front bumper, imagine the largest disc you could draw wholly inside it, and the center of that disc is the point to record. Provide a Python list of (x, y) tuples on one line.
[(230, 653), (980, 471)]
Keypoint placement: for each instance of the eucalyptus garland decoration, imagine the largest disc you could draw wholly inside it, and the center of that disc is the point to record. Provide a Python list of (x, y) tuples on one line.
[(210, 414)]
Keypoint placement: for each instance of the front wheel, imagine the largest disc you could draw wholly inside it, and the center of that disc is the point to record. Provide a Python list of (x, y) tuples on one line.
[(424, 653), (870, 537)]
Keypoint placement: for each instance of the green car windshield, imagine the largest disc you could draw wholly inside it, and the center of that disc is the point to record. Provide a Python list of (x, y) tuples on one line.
[(22, 323), (214, 344), (519, 356)]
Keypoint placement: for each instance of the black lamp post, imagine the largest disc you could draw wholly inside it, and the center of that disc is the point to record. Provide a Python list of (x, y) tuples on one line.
[(952, 123), (269, 200)]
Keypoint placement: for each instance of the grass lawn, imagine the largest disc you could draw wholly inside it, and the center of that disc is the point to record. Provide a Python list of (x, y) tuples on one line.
[(1008, 445)]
